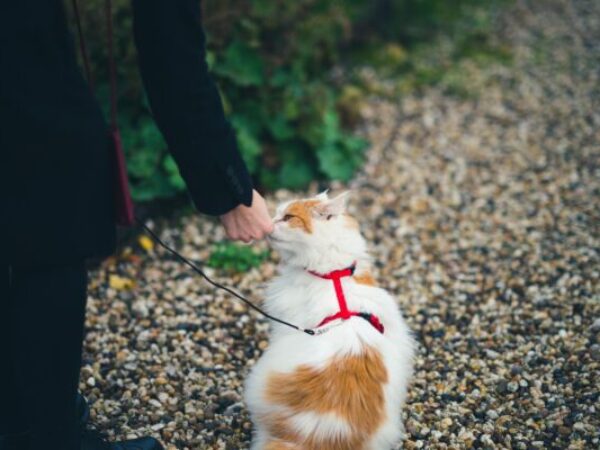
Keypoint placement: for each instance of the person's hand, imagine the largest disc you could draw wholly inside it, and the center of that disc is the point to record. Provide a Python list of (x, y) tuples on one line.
[(248, 223)]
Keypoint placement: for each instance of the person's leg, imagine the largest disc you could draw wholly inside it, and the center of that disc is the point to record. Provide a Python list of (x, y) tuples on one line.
[(44, 314), (46, 310), (12, 422)]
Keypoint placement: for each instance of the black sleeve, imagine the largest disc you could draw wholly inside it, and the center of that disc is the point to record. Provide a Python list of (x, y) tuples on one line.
[(186, 103)]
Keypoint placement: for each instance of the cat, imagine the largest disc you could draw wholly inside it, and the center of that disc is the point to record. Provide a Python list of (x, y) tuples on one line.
[(344, 387)]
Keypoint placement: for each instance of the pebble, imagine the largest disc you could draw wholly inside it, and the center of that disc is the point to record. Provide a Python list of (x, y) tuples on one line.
[(446, 422), (512, 386), (595, 352), (492, 354), (491, 414)]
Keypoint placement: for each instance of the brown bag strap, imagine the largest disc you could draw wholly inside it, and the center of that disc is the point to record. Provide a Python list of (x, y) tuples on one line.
[(112, 67)]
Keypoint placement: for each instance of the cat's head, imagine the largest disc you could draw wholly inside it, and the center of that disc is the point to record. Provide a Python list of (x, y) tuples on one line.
[(317, 233)]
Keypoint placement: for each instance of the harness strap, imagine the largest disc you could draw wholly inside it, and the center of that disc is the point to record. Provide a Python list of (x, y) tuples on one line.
[(344, 313)]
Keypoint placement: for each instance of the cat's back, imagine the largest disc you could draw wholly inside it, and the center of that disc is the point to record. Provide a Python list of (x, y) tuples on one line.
[(333, 391)]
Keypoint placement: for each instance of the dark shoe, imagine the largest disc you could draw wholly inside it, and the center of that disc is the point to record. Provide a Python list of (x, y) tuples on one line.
[(92, 440)]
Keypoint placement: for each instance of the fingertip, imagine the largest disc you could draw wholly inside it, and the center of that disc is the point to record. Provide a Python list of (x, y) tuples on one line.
[(268, 227)]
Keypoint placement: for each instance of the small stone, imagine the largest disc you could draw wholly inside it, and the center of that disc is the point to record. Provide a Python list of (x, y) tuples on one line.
[(502, 387), (487, 440), (491, 414), (412, 427), (595, 327), (419, 205), (515, 369), (446, 423), (565, 431), (140, 309), (91, 381), (595, 352), (190, 409), (492, 354)]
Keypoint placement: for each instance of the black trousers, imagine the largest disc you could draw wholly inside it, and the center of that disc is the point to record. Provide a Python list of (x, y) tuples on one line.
[(42, 313)]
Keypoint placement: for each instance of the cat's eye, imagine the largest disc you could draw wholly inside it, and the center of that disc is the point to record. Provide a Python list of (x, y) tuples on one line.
[(329, 217), (287, 217)]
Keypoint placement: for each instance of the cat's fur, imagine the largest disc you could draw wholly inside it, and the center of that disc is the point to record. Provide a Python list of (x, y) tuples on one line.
[(342, 390)]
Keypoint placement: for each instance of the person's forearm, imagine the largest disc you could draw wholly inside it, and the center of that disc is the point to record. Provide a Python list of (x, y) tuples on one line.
[(171, 48), (186, 103)]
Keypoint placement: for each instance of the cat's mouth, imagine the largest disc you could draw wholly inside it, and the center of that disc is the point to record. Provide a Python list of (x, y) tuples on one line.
[(275, 240)]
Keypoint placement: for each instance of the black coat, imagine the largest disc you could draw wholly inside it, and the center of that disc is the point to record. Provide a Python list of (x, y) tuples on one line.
[(55, 168)]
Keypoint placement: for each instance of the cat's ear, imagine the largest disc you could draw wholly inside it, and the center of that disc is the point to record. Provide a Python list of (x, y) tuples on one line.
[(323, 196), (334, 206)]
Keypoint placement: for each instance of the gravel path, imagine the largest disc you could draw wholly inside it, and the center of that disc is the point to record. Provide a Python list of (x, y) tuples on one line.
[(483, 215)]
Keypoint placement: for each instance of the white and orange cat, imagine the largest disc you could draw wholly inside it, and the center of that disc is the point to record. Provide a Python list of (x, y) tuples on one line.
[(343, 388)]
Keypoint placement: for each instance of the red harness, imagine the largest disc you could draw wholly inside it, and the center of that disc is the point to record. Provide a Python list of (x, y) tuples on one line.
[(344, 313)]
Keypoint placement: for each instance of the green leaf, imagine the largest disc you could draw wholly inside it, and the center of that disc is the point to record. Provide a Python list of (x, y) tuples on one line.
[(241, 64), (143, 163), (280, 128), (280, 78), (235, 257), (296, 175), (264, 8), (157, 186), (331, 127), (297, 167), (334, 162), (249, 145), (291, 105), (173, 174), (210, 59)]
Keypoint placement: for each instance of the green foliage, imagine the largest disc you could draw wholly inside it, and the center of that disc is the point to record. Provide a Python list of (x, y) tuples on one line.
[(241, 64), (432, 42), (273, 60), (152, 171), (236, 258)]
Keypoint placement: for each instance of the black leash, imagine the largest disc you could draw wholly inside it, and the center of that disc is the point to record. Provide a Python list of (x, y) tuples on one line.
[(200, 272)]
